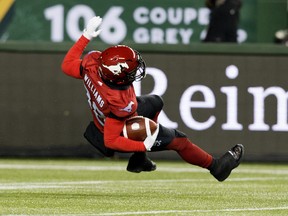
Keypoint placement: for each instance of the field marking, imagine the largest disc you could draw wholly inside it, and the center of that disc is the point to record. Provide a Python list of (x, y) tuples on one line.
[(71, 184), (157, 212), (123, 168), (194, 211), (61, 167)]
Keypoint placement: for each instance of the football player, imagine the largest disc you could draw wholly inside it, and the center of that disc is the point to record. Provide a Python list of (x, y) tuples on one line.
[(108, 78)]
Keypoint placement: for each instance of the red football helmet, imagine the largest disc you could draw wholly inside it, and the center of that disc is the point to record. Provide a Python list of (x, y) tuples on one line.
[(121, 65)]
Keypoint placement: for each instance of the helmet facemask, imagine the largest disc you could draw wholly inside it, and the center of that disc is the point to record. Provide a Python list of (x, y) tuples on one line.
[(139, 73)]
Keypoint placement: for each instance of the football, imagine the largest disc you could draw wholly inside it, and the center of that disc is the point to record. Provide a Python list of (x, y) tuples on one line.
[(138, 127)]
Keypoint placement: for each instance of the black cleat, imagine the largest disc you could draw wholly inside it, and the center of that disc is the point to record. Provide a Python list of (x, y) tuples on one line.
[(222, 167), (139, 162)]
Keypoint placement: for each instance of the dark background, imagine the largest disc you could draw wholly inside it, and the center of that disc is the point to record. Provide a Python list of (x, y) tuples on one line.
[(44, 112)]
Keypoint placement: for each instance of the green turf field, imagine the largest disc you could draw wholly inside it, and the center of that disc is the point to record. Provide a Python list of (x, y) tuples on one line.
[(93, 187)]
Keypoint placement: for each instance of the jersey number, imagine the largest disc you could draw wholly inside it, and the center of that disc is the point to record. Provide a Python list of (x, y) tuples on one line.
[(97, 113)]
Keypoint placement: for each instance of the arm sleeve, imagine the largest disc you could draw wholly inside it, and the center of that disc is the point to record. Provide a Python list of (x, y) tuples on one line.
[(71, 63), (113, 139)]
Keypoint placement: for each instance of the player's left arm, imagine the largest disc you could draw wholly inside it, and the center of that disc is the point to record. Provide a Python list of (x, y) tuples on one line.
[(71, 64)]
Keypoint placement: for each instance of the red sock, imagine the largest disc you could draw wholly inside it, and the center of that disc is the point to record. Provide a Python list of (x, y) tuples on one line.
[(190, 152)]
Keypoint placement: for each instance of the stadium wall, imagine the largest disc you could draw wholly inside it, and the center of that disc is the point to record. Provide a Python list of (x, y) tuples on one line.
[(142, 21), (218, 94)]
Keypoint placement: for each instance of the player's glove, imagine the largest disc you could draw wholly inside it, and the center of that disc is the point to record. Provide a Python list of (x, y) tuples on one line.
[(151, 138), (91, 29)]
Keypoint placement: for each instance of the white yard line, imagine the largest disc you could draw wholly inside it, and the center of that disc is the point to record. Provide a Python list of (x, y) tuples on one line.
[(184, 212), (75, 184), (60, 167), (194, 211), (123, 168)]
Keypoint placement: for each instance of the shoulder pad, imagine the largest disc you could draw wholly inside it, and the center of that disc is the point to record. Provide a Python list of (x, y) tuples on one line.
[(90, 58)]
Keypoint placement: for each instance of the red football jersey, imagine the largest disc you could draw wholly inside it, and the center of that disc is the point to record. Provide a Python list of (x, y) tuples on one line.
[(102, 99)]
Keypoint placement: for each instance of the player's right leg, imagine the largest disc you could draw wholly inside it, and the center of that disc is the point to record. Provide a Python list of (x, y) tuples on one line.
[(148, 106), (139, 162)]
